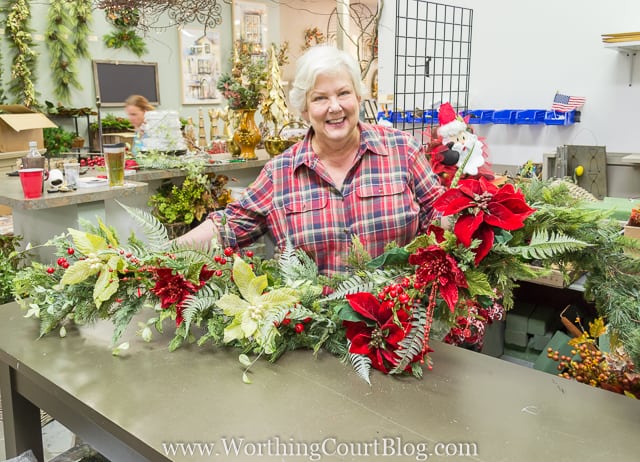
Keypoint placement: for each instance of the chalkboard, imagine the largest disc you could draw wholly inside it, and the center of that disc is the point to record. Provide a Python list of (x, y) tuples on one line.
[(115, 81)]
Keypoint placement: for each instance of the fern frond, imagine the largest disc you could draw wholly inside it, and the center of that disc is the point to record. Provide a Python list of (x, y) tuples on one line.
[(544, 245), (198, 303), (365, 282), (361, 364), (155, 231), (296, 265), (413, 342)]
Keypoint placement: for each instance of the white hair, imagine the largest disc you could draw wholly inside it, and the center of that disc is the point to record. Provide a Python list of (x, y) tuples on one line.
[(325, 60)]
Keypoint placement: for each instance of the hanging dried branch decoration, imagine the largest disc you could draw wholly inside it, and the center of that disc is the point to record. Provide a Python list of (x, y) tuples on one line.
[(61, 50), (180, 12), (24, 57)]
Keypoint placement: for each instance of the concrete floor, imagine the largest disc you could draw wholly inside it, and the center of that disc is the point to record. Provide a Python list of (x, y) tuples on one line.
[(56, 438)]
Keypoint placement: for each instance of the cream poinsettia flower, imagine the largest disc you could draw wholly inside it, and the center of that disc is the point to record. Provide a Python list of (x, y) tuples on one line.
[(250, 310)]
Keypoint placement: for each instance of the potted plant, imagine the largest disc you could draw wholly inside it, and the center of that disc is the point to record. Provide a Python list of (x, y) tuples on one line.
[(179, 206), (10, 262), (110, 124), (58, 140)]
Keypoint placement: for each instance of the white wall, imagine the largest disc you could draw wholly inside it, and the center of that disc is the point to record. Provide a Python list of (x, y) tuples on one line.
[(523, 52)]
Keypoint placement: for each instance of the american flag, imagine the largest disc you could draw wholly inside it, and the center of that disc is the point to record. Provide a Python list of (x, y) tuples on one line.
[(564, 103)]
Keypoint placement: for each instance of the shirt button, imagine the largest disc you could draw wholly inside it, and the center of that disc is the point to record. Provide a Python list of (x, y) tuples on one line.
[(346, 230), (380, 190)]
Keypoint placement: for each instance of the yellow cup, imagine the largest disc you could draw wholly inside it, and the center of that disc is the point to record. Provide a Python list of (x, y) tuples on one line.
[(114, 163)]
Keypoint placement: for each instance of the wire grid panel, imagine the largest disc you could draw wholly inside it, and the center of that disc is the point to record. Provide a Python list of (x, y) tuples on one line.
[(432, 62)]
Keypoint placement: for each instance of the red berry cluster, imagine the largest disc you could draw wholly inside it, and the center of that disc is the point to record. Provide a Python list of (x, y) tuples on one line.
[(298, 327), (395, 295), (62, 261), (92, 162)]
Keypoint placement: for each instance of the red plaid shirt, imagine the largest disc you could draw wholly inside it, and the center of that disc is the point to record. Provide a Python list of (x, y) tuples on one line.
[(386, 196)]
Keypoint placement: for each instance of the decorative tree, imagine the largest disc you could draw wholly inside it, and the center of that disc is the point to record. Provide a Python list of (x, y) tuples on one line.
[(274, 108)]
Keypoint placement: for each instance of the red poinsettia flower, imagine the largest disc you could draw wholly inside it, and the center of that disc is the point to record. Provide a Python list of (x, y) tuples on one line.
[(438, 266), (172, 289), (483, 205), (379, 338)]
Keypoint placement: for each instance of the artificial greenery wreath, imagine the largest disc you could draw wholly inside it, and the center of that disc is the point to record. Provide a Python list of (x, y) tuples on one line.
[(125, 20)]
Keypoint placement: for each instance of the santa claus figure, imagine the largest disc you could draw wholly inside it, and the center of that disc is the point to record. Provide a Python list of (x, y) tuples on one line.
[(465, 150)]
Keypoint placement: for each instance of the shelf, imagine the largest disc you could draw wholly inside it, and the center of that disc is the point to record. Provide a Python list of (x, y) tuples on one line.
[(624, 47), (630, 49), (632, 158), (488, 116)]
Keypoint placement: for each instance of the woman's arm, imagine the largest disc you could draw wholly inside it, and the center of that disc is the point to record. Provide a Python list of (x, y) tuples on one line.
[(201, 236)]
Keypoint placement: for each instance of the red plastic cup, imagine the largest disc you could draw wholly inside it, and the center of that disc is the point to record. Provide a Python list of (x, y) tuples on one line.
[(32, 180)]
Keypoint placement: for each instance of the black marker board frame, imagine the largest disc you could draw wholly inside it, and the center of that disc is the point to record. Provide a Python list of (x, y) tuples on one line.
[(115, 81)]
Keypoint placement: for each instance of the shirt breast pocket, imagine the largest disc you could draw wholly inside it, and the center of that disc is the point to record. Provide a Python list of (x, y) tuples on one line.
[(305, 204), (389, 211), (366, 191), (308, 220)]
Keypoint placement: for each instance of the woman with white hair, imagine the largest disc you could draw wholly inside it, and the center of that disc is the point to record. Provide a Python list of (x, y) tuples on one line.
[(345, 178)]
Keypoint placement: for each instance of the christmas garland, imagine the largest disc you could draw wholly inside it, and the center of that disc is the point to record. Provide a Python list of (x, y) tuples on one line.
[(23, 63), (379, 316), (81, 10), (62, 50)]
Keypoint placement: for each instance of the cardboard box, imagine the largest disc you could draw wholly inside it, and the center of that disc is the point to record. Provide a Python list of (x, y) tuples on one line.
[(19, 125), (632, 231)]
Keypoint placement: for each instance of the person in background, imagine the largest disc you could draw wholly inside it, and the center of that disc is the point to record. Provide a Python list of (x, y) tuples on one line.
[(135, 107), (345, 178)]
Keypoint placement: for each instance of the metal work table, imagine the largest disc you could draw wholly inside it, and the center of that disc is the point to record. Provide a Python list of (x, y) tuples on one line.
[(128, 407)]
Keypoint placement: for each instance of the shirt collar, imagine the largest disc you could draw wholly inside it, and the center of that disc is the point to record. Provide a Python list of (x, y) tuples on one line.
[(370, 142)]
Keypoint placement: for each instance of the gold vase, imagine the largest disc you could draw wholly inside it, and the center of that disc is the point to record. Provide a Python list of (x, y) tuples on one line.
[(247, 135)]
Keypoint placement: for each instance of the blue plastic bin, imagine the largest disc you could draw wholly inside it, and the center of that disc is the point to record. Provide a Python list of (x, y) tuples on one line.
[(410, 117), (381, 116), (559, 118), (530, 116), (505, 116), (479, 116), (397, 116)]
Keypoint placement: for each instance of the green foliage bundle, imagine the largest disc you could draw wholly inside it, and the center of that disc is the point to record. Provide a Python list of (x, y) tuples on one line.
[(183, 203), (112, 122), (10, 262), (125, 20), (61, 50), (81, 10), (57, 140), (613, 269)]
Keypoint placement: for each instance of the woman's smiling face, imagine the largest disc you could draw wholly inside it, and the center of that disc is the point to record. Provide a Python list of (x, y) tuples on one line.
[(333, 108)]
